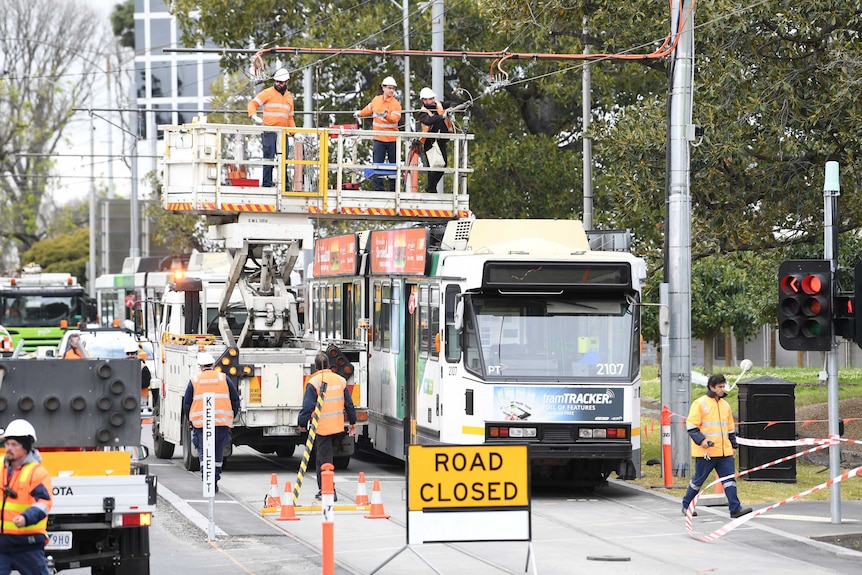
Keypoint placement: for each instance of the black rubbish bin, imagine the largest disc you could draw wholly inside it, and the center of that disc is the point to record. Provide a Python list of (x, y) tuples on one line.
[(762, 402)]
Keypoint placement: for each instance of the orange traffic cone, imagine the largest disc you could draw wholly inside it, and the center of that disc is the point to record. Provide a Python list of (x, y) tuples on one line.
[(376, 503), (718, 489), (361, 493), (288, 513), (273, 499)]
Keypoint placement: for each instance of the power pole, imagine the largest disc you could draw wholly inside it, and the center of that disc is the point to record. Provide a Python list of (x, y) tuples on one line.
[(676, 365)]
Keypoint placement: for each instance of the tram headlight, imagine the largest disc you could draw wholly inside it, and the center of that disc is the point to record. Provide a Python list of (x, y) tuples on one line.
[(602, 433), (519, 432)]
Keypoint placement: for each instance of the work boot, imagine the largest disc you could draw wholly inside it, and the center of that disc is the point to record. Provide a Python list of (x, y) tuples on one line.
[(693, 513), (740, 512)]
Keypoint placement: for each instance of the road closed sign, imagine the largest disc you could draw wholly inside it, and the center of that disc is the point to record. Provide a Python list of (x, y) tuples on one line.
[(468, 493)]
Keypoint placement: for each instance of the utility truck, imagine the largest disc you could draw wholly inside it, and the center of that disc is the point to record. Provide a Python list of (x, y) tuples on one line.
[(87, 418), (319, 174)]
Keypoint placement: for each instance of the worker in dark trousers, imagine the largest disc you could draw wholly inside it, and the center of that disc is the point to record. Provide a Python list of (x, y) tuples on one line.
[(434, 119), (227, 405), (336, 402)]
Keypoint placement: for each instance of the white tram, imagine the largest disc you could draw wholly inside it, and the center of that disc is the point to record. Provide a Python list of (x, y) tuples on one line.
[(489, 331)]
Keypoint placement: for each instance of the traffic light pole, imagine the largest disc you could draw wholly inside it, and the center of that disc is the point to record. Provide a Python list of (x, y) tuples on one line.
[(831, 191)]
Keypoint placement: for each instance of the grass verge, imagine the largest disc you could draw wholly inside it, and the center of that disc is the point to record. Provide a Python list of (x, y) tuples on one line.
[(808, 391)]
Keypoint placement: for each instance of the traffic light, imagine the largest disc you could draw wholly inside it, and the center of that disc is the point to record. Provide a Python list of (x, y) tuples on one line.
[(805, 305), (338, 362)]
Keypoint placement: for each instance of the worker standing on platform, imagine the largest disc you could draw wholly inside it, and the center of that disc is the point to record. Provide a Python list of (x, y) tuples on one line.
[(386, 111), (434, 119), (278, 109)]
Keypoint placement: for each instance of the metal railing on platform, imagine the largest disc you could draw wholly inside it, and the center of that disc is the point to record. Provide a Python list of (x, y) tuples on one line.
[(219, 168)]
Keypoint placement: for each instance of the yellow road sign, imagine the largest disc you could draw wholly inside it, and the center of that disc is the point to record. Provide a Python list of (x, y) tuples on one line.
[(464, 476)]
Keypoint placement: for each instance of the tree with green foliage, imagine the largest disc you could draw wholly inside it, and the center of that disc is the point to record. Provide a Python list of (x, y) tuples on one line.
[(68, 253), (774, 92)]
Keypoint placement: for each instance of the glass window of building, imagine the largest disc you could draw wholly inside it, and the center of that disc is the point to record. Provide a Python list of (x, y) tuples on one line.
[(187, 78), (160, 34), (161, 80)]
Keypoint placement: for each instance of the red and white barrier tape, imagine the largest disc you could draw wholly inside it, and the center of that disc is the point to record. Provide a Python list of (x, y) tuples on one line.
[(818, 444)]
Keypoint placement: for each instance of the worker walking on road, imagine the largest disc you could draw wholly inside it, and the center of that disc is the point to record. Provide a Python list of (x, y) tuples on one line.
[(27, 500), (713, 434), (434, 119), (278, 109), (226, 407), (386, 112), (336, 401)]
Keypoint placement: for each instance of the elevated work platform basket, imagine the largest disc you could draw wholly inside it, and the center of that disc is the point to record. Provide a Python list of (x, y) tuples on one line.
[(217, 169)]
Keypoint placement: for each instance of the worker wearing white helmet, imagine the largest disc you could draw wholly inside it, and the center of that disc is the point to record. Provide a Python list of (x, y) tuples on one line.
[(211, 380), (132, 351), (26, 487), (434, 119), (278, 109), (386, 113)]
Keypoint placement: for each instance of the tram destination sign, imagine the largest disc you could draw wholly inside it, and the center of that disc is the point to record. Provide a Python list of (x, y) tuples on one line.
[(400, 251), (335, 256), (561, 275)]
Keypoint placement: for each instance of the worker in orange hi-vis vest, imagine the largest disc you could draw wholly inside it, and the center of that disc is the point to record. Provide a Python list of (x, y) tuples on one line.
[(226, 407), (336, 402), (27, 500), (386, 112), (76, 350), (278, 109)]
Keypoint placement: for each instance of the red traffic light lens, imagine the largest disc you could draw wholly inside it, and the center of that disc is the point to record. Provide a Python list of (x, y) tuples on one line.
[(790, 285), (812, 284)]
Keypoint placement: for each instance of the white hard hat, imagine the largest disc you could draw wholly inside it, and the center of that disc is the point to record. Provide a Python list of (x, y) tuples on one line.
[(426, 93), (205, 358), (281, 75), (389, 81), (20, 428), (131, 347)]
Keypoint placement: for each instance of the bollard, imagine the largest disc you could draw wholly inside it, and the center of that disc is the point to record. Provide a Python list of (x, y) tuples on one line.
[(327, 492), (666, 456)]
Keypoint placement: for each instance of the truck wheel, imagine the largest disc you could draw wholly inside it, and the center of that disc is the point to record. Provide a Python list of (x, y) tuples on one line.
[(162, 448), (190, 459), (134, 553), (341, 462), (285, 450)]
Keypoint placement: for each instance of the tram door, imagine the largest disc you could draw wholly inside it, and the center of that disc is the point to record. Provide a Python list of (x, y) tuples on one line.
[(411, 362)]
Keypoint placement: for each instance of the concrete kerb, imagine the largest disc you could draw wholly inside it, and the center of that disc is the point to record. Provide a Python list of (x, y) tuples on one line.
[(188, 511)]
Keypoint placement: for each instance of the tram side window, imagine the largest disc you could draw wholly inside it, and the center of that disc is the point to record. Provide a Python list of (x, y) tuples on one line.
[(358, 312), (435, 321), (453, 343), (390, 311), (424, 327), (382, 311), (336, 312)]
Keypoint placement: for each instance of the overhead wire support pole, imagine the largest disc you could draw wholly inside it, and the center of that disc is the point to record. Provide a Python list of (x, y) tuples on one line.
[(831, 192), (679, 232)]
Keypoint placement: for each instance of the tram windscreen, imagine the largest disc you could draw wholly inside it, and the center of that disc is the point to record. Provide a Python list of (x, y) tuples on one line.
[(554, 337)]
